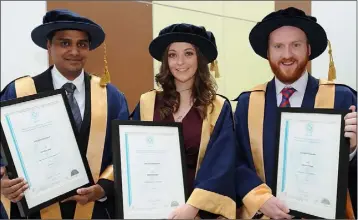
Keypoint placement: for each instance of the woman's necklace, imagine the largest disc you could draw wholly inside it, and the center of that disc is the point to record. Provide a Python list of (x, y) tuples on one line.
[(183, 90), (183, 114)]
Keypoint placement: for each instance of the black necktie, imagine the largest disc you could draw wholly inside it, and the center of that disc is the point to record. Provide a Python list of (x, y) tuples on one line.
[(70, 89)]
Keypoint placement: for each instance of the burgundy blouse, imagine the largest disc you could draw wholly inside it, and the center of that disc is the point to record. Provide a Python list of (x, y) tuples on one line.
[(192, 124)]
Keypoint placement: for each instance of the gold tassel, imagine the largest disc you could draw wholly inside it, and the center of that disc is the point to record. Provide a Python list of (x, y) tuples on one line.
[(214, 67), (105, 79), (332, 69)]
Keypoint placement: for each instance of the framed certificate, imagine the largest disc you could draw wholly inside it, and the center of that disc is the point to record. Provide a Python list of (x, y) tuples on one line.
[(39, 143), (149, 168), (312, 162)]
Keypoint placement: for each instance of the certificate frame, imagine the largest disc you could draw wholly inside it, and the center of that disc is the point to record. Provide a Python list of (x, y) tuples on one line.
[(12, 170), (342, 161), (117, 163)]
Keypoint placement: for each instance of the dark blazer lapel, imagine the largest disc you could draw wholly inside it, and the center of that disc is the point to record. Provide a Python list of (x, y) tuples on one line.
[(310, 92), (43, 81), (86, 122)]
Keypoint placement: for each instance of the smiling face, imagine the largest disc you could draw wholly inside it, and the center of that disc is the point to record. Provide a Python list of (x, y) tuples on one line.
[(182, 61), (288, 53), (68, 50)]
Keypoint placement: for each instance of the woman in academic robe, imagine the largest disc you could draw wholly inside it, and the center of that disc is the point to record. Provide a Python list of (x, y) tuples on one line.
[(187, 95)]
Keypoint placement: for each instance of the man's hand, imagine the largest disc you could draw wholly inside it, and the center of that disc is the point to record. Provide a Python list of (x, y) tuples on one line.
[(184, 212), (12, 189), (275, 209), (88, 194), (350, 129)]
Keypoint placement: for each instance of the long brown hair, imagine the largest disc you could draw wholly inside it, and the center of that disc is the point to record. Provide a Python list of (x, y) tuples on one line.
[(203, 91)]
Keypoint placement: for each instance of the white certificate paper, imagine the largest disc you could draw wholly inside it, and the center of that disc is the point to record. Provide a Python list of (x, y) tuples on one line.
[(151, 167), (43, 148), (308, 162)]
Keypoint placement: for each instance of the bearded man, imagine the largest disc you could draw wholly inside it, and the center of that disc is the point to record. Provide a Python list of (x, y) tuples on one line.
[(288, 39)]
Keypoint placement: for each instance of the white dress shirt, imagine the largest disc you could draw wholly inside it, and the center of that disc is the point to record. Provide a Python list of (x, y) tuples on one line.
[(80, 94), (297, 97)]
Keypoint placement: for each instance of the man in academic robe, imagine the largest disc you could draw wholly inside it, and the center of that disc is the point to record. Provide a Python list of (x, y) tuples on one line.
[(288, 39), (94, 102)]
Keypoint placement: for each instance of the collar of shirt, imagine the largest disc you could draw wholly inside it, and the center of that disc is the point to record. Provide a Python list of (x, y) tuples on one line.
[(299, 85), (59, 80)]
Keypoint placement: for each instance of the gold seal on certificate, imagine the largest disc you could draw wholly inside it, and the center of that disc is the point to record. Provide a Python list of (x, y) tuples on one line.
[(312, 162), (148, 168), (40, 146)]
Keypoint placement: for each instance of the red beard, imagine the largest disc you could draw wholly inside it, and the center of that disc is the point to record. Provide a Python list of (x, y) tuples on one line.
[(290, 76)]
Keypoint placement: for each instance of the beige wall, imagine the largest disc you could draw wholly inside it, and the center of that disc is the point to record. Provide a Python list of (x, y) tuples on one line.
[(240, 67)]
